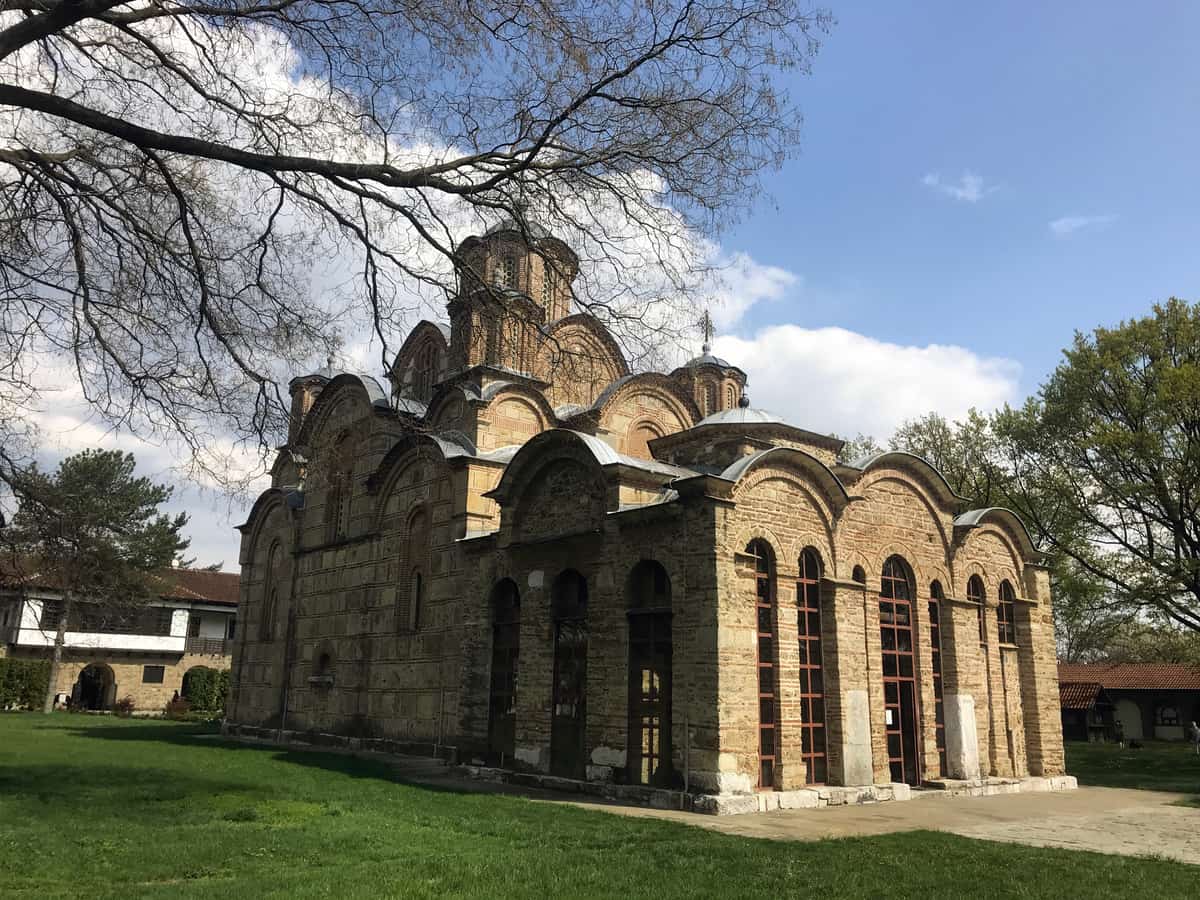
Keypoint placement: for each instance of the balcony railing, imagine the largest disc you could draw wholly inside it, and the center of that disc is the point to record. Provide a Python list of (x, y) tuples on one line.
[(207, 646)]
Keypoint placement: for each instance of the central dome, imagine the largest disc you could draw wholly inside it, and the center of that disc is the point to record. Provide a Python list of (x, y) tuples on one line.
[(742, 415)]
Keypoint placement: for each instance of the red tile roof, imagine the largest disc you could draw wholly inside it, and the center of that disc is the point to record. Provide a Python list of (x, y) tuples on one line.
[(196, 585), (1078, 694), (1132, 676), (201, 585)]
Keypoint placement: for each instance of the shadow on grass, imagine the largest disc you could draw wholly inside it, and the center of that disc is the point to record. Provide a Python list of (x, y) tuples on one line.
[(102, 792), (343, 763), (208, 736)]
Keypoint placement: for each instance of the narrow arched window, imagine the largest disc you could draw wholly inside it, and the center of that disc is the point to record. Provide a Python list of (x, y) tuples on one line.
[(506, 272), (650, 649), (549, 284), (976, 595), (710, 399), (415, 567), (1006, 614), (340, 486), (768, 656), (812, 679), (730, 402), (425, 373), (936, 598), (271, 584), (896, 638)]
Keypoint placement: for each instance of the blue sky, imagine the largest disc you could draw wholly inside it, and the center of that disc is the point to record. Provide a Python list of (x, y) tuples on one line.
[(1062, 109), (975, 183)]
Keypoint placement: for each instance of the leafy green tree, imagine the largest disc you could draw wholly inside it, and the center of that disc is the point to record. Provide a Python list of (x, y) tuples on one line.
[(857, 447), (965, 452), (973, 457), (95, 531), (1110, 445)]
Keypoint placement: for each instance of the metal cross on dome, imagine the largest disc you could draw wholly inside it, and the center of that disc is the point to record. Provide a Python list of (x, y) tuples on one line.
[(707, 324)]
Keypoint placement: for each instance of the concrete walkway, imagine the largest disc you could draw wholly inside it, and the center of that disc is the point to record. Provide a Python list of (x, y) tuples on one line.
[(1105, 820)]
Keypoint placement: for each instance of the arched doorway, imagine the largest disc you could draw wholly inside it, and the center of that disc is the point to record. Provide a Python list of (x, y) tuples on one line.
[(506, 645), (95, 689), (568, 718), (649, 596), (899, 671)]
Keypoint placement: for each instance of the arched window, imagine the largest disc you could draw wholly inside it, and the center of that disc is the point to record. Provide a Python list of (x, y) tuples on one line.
[(812, 681), (271, 584), (710, 399), (322, 668), (341, 486), (649, 598), (976, 595), (936, 596), (425, 373), (506, 272), (730, 402), (901, 714), (568, 721), (549, 283), (1006, 614), (768, 655), (506, 648), (414, 569)]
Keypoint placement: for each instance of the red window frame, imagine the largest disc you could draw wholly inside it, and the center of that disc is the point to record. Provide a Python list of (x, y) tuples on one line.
[(812, 681), (768, 697)]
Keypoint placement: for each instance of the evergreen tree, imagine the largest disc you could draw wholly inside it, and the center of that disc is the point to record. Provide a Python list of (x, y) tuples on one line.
[(94, 531)]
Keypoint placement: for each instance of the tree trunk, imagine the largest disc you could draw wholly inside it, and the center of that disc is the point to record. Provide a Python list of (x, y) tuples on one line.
[(60, 638)]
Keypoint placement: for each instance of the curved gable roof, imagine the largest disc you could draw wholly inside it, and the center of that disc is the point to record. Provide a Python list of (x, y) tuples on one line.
[(830, 483), (421, 332), (656, 381), (975, 517), (594, 327), (601, 453), (904, 458), (376, 396)]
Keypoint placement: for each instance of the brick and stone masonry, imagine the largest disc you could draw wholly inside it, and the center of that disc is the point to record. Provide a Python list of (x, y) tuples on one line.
[(521, 555)]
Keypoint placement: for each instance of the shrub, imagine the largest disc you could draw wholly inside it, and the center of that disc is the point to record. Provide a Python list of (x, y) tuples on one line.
[(124, 707), (177, 708), (23, 682), (206, 689)]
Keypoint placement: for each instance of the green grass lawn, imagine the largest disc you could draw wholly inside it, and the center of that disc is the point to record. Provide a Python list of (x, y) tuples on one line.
[(1156, 766), (98, 807)]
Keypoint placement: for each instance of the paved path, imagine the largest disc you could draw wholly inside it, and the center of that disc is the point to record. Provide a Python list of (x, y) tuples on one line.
[(1105, 820)]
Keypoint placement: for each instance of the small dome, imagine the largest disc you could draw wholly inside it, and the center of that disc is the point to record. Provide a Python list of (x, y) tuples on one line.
[(742, 415), (537, 232), (707, 359)]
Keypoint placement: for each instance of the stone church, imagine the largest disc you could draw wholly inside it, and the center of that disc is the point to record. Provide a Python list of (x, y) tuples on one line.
[(519, 553)]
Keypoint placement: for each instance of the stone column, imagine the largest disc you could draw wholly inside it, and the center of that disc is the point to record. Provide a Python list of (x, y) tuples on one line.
[(1039, 675), (962, 665), (847, 700), (535, 674)]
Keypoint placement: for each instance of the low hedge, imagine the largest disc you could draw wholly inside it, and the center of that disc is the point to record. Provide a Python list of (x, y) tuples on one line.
[(23, 682)]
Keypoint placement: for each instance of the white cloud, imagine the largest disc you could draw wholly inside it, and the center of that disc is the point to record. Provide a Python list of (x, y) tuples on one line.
[(835, 380), (1068, 225), (970, 187), (742, 282)]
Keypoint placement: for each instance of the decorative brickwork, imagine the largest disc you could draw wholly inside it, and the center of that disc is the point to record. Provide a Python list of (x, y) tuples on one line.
[(520, 470)]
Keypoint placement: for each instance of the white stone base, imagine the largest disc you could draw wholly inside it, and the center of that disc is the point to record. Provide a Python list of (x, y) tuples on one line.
[(813, 798)]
